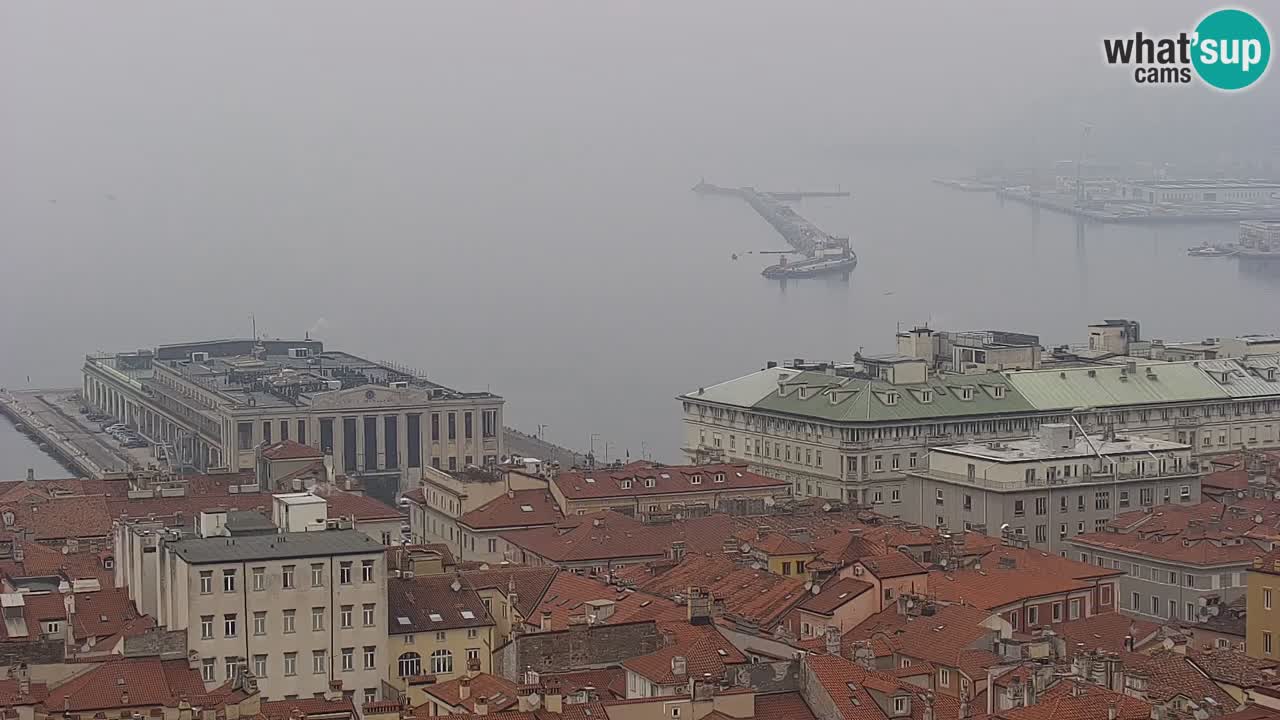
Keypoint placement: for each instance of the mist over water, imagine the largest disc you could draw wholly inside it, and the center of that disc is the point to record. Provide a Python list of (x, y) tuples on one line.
[(498, 194)]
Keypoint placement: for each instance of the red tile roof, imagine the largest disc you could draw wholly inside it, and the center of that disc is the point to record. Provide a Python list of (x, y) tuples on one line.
[(148, 682), (362, 507), (756, 596), (705, 650), (1205, 534), (10, 695), (1010, 576), (600, 536), (1074, 700), (849, 686), (290, 450), (98, 614), (44, 561), (1105, 631), (1171, 674), (58, 518), (776, 544), (892, 564), (412, 603), (666, 480), (942, 638), (514, 509), (568, 594), (608, 683), (1234, 667), (283, 709), (529, 583), (835, 594), (498, 691), (782, 706)]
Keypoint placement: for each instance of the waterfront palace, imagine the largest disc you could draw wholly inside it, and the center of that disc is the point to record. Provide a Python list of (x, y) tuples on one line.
[(862, 431), (211, 403)]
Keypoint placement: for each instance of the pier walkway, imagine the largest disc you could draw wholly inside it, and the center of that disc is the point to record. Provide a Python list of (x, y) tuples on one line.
[(799, 233), (51, 419)]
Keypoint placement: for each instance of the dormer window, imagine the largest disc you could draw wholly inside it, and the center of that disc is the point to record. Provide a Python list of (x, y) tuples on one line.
[(804, 392), (626, 484), (926, 396), (998, 391), (891, 398), (966, 393), (695, 480), (719, 477), (1271, 374), (649, 482)]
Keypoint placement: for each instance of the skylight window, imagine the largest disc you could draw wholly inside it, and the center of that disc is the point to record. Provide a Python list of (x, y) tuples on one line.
[(526, 508), (435, 617), (591, 480), (468, 615), (403, 620)]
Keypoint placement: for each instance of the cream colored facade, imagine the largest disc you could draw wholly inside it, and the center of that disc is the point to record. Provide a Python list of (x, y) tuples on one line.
[(215, 402), (460, 644), (766, 420), (433, 515), (302, 609)]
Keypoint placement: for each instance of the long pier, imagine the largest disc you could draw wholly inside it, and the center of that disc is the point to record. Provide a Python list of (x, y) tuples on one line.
[(60, 435), (799, 233)]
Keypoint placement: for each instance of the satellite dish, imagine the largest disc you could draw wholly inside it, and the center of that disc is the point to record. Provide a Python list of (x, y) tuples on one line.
[(808, 584), (943, 562), (1257, 519), (745, 547), (910, 603), (755, 566), (815, 589), (826, 507), (1004, 528)]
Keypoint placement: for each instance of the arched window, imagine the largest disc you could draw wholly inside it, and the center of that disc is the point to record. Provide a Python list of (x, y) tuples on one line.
[(410, 664), (441, 662)]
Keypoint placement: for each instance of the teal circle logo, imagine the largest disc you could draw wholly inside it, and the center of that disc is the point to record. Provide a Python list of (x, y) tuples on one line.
[(1232, 49)]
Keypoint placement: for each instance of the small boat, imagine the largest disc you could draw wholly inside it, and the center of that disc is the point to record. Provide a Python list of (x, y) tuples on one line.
[(1207, 250), (835, 257)]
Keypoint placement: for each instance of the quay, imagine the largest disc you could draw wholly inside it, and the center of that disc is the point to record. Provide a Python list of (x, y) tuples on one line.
[(799, 233), (1119, 210), (50, 420)]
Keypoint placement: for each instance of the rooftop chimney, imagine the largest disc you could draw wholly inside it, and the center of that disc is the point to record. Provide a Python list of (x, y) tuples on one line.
[(677, 550), (31, 474), (481, 706), (679, 665), (833, 640), (464, 687)]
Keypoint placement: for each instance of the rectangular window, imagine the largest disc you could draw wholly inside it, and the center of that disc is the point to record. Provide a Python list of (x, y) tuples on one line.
[(229, 665), (1266, 598), (435, 427), (229, 625), (413, 431), (288, 625), (284, 430), (259, 579), (1057, 612), (489, 423), (453, 426), (206, 582), (1075, 609), (391, 441), (345, 616), (944, 677), (466, 425), (367, 615), (366, 571), (291, 663), (1135, 603), (1033, 615), (317, 575), (1266, 642), (319, 663), (348, 659), (302, 432), (370, 659), (260, 665), (260, 622), (344, 572), (266, 431), (206, 627), (206, 669), (326, 435), (317, 619), (229, 581), (286, 577)]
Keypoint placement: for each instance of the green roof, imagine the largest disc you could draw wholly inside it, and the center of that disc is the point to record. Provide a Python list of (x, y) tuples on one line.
[(843, 399), (1110, 386)]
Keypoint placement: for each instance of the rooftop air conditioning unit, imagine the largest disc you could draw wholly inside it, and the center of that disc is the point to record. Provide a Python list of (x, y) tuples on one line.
[(300, 353), (199, 356)]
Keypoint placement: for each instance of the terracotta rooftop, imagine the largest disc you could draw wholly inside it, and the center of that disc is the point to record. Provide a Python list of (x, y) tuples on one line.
[(643, 478), (283, 709), (850, 687), (892, 564), (147, 682), (514, 509), (608, 683), (1171, 674), (1009, 575), (362, 507), (705, 650), (568, 594), (834, 594), (10, 694), (940, 638), (1105, 631), (1205, 534), (433, 602), (1234, 667), (1074, 700), (290, 450), (782, 706), (498, 691), (44, 561), (598, 536), (756, 596), (529, 583)]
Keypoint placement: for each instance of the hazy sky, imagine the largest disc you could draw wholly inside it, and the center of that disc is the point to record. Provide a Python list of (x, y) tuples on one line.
[(475, 187)]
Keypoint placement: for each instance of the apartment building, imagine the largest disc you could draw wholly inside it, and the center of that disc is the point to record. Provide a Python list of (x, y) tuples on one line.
[(641, 489), (301, 602), (437, 504), (846, 430), (1179, 561), (212, 403), (1047, 488), (439, 629), (1262, 616)]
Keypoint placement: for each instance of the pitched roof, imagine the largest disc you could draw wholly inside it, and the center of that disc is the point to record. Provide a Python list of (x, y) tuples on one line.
[(1105, 631), (892, 564), (1073, 700), (599, 536), (283, 709), (43, 561), (782, 706), (756, 596), (605, 682), (833, 595), (10, 695), (639, 479), (433, 602), (705, 650), (568, 594), (940, 638), (515, 508), (147, 681), (1100, 386), (529, 583), (58, 518), (1206, 534), (1011, 575), (290, 450), (499, 692), (850, 687), (1171, 674), (361, 507), (1234, 667)]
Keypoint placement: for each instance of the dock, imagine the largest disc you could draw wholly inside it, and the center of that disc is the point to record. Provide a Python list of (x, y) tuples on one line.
[(50, 419), (1117, 211), (799, 233)]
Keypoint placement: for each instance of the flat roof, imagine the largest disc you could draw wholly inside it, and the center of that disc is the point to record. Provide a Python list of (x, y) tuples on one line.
[(201, 551), (1205, 184), (301, 498), (1033, 450)]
